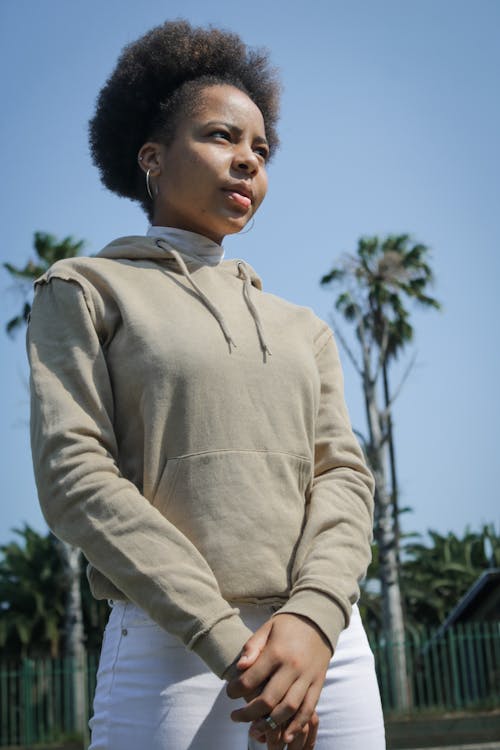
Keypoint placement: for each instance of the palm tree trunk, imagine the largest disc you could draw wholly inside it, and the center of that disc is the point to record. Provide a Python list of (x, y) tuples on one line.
[(74, 636), (392, 463), (392, 610)]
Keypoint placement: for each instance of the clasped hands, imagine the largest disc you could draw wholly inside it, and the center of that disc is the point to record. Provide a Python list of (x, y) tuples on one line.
[(280, 673)]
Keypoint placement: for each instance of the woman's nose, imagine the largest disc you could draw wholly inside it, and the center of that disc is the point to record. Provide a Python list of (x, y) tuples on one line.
[(245, 159)]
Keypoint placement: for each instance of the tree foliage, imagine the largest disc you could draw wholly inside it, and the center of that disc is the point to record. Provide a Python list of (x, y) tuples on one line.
[(374, 283), (33, 595), (434, 575), (48, 250)]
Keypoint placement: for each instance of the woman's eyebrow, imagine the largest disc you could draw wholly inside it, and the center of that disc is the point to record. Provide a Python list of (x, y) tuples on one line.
[(261, 139), (227, 125)]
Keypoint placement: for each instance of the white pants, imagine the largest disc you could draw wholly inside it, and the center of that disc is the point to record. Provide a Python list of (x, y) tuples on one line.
[(153, 694)]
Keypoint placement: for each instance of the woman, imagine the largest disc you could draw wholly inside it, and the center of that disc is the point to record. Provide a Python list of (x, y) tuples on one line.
[(190, 434)]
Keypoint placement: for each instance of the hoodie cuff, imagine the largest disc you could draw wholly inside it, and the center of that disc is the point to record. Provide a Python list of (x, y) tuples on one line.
[(325, 612), (222, 645)]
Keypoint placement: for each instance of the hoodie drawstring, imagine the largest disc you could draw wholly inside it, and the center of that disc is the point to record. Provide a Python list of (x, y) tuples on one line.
[(215, 312), (247, 285)]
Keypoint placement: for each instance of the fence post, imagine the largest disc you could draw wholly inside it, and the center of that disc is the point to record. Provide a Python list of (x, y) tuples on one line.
[(27, 680), (82, 701), (454, 669)]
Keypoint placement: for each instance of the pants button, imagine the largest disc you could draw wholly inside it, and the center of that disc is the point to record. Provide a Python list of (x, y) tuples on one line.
[(124, 631)]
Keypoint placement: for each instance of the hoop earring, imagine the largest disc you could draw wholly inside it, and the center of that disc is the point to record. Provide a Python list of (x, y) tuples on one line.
[(148, 186), (249, 228)]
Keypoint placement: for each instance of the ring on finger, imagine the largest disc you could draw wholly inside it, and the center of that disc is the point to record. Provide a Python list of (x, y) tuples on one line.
[(270, 722)]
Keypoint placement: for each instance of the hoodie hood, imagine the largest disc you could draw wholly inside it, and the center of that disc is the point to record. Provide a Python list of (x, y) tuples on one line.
[(159, 249), (138, 247)]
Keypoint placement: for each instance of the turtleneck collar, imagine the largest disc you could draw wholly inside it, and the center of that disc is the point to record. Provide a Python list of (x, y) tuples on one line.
[(194, 245)]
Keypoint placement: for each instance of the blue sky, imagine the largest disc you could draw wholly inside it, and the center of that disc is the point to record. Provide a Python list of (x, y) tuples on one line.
[(390, 124)]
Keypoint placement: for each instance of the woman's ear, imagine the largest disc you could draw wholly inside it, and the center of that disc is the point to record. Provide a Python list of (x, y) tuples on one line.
[(149, 158)]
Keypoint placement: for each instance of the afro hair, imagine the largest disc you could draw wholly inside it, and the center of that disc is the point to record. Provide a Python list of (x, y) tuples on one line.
[(151, 84)]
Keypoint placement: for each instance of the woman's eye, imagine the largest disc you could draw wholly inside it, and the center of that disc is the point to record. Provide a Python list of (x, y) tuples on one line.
[(221, 134), (263, 152)]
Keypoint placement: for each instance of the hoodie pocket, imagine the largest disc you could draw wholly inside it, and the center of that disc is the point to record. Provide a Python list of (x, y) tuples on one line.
[(166, 484), (243, 510)]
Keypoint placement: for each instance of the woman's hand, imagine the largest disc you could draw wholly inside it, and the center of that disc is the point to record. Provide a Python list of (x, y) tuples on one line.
[(304, 739), (285, 680)]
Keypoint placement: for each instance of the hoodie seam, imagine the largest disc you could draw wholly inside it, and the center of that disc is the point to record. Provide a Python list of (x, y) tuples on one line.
[(325, 333), (50, 275), (324, 346), (243, 450)]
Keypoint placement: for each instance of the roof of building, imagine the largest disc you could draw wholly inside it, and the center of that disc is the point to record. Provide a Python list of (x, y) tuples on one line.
[(480, 602)]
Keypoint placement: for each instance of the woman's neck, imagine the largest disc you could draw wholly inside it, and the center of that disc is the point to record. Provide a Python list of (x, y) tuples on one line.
[(189, 243)]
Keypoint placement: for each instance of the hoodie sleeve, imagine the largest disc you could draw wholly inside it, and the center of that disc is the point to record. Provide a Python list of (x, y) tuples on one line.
[(334, 550), (86, 500)]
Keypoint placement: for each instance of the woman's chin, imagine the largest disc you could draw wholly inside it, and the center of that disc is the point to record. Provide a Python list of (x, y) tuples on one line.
[(230, 225), (237, 224)]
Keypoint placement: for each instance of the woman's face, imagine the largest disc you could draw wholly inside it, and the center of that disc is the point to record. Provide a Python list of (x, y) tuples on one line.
[(211, 178)]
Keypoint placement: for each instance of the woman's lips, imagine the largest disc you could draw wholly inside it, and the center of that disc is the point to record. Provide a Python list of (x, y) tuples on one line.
[(242, 200)]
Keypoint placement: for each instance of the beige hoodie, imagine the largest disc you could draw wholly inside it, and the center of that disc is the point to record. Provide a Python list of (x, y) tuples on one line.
[(195, 469)]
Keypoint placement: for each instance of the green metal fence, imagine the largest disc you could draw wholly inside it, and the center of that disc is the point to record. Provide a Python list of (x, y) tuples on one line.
[(37, 700), (456, 670), (452, 670)]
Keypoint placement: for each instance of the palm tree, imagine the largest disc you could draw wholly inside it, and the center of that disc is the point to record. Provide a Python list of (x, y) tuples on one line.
[(33, 596), (32, 592), (374, 282), (48, 250)]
